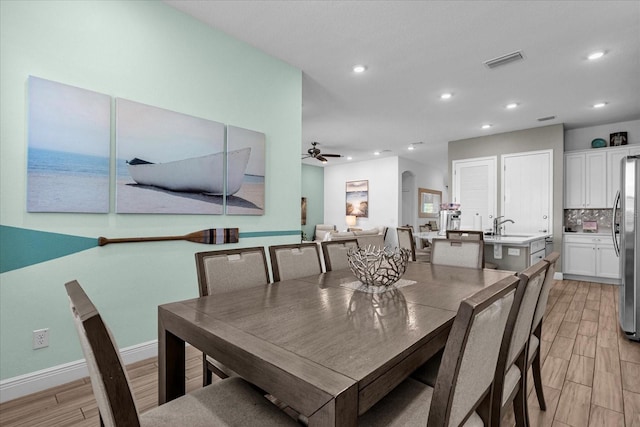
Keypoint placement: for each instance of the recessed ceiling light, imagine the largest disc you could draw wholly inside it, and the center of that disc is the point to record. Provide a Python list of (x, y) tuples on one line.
[(511, 106), (595, 55), (376, 153), (599, 105), (487, 126), (359, 68), (446, 95), (349, 158)]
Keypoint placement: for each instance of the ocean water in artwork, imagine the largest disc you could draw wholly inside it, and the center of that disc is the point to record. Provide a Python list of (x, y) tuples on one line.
[(59, 181)]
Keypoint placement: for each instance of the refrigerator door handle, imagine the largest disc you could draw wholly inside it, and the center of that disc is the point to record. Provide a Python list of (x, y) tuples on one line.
[(616, 246)]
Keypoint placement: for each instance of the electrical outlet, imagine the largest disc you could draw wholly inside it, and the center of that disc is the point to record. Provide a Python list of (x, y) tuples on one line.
[(40, 338)]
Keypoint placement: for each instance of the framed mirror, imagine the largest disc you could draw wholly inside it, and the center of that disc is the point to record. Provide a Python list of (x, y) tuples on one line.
[(429, 203)]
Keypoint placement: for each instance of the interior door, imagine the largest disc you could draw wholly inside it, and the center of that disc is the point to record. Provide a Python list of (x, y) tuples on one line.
[(527, 191), (475, 188)]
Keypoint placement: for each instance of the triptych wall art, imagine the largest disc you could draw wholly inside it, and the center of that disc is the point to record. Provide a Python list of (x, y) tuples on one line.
[(166, 162)]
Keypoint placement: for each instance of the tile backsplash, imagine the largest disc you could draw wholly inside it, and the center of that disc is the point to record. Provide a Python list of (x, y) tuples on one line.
[(573, 218)]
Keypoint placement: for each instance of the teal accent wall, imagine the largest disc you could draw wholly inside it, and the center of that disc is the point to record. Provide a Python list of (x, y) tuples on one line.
[(313, 190), (150, 53)]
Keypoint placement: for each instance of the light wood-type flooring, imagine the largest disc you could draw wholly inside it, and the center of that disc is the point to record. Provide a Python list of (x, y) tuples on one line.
[(591, 373)]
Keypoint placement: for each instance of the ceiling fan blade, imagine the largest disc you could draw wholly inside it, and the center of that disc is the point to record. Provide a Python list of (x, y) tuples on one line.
[(321, 158), (332, 155)]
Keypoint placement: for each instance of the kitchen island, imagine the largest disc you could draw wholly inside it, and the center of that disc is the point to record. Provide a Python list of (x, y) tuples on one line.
[(514, 251)]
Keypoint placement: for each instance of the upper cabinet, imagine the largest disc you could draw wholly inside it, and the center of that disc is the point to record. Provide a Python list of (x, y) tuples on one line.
[(614, 157), (585, 178), (474, 187)]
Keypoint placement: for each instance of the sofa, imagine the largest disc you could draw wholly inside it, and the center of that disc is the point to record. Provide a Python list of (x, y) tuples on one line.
[(372, 237)]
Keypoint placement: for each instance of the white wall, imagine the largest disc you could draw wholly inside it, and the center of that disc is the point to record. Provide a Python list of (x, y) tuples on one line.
[(385, 191), (580, 139)]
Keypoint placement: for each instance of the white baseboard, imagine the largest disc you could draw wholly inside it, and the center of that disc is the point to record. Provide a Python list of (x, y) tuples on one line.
[(23, 385), (558, 275)]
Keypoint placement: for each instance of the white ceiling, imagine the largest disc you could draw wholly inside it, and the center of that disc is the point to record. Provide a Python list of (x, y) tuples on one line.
[(416, 50)]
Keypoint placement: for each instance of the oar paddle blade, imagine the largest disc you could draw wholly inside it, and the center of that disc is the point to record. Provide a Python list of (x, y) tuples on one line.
[(214, 236)]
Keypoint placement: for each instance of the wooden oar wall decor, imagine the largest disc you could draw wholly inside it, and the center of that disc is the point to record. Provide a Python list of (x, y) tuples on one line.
[(212, 236)]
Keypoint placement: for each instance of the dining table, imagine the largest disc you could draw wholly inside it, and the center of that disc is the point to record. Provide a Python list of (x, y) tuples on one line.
[(326, 345)]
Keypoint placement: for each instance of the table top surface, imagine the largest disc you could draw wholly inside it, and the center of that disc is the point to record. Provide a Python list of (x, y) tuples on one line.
[(319, 324)]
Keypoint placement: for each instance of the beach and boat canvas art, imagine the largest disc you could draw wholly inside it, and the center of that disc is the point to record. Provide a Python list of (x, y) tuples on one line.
[(69, 136), (357, 196), (167, 162), (245, 171)]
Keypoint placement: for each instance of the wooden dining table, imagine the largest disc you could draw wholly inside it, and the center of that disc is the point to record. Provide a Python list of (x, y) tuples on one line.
[(325, 348)]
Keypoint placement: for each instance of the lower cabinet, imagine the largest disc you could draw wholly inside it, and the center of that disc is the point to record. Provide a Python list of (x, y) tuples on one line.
[(590, 256)]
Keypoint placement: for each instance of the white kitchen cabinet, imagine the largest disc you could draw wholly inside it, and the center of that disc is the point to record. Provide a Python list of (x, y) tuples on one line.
[(592, 256), (586, 180), (614, 156)]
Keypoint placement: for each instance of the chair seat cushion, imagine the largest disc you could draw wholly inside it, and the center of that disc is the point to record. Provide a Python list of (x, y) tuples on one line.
[(230, 402), (407, 405), (511, 380), (534, 343)]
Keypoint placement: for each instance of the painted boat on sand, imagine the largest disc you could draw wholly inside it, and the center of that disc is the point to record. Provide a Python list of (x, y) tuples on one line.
[(195, 175)]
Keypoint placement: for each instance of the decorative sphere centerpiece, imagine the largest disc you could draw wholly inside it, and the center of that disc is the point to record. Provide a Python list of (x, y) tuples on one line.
[(378, 267)]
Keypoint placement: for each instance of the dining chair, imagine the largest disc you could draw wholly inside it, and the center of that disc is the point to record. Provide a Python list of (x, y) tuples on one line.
[(406, 241), (424, 228), (533, 359), (461, 253), (462, 391), (293, 261), (228, 402), (511, 376), (226, 270), (335, 253), (470, 235)]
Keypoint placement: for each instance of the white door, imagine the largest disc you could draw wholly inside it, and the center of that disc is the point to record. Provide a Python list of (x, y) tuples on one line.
[(527, 191), (475, 187)]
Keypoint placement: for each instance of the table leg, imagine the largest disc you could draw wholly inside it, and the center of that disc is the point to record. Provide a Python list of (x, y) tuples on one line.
[(171, 364), (341, 411)]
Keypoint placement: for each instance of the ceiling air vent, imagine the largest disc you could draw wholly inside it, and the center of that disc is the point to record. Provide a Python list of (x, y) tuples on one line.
[(544, 119), (504, 59)]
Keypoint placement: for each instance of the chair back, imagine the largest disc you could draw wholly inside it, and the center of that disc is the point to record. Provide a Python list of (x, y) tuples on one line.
[(470, 356), (465, 235), (229, 269), (293, 261), (335, 253), (405, 240), (541, 307), (461, 253), (109, 379)]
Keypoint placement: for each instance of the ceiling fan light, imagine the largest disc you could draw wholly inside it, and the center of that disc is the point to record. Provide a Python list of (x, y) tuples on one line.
[(599, 105), (359, 68), (446, 95), (376, 153), (486, 126), (511, 106)]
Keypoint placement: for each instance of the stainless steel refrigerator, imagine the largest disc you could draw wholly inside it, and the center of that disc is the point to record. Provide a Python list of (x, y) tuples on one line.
[(626, 221)]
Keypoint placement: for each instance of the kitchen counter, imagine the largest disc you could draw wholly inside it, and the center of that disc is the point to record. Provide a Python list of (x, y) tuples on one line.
[(514, 239)]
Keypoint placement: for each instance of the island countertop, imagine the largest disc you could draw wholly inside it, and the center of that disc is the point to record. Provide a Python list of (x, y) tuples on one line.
[(515, 239)]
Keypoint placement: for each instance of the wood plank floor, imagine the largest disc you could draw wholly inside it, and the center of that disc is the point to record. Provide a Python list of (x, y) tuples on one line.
[(591, 373)]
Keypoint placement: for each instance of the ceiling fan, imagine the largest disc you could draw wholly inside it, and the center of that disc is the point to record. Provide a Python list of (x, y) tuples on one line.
[(314, 152)]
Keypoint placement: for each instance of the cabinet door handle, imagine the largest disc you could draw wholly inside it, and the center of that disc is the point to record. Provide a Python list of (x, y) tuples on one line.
[(544, 217)]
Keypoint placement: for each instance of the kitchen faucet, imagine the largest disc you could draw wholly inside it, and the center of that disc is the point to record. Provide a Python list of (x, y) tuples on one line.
[(497, 230)]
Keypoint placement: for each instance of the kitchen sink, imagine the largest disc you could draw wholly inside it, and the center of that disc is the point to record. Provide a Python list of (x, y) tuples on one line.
[(492, 236)]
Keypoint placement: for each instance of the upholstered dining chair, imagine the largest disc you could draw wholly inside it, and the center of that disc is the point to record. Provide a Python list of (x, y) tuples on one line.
[(293, 261), (226, 270), (228, 402), (406, 241), (510, 376), (533, 359), (335, 253), (461, 253), (470, 235), (462, 391)]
